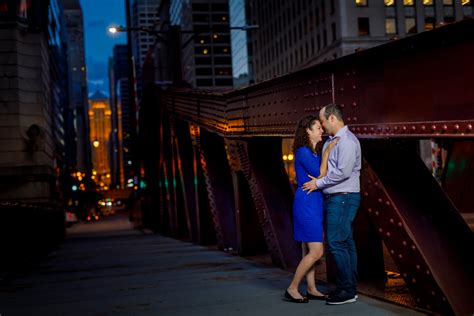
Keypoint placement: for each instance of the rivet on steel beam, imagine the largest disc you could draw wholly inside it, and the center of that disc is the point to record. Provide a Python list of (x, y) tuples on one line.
[(404, 128), (387, 203), (365, 129), (369, 210), (469, 127), (400, 224), (413, 280), (376, 183), (372, 129), (400, 256), (413, 128), (380, 200), (428, 272), (355, 118), (396, 128), (342, 89), (423, 128), (377, 213), (433, 293), (413, 247), (348, 119), (342, 105), (354, 103), (445, 127), (387, 128), (418, 267), (433, 127), (366, 193), (456, 127), (388, 234), (380, 230), (392, 252), (404, 243), (391, 221), (379, 129), (354, 87)]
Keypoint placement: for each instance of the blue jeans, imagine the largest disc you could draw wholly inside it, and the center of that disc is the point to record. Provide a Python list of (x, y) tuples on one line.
[(340, 211)]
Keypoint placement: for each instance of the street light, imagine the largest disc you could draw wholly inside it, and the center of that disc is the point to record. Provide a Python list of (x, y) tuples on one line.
[(118, 29)]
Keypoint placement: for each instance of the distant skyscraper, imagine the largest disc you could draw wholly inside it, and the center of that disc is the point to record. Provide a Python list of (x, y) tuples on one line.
[(77, 143), (119, 103), (100, 128), (295, 34)]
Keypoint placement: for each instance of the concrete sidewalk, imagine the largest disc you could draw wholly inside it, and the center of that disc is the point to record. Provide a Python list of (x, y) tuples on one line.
[(106, 268)]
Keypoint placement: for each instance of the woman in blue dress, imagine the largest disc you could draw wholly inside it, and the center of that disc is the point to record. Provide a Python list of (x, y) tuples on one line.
[(308, 208)]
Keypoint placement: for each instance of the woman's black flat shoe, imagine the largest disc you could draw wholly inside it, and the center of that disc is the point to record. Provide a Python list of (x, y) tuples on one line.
[(316, 297), (295, 300)]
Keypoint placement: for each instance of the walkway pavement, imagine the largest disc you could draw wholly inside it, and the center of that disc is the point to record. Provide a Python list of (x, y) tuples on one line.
[(106, 268)]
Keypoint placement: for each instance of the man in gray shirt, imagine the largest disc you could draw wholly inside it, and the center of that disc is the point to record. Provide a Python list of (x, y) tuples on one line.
[(341, 188)]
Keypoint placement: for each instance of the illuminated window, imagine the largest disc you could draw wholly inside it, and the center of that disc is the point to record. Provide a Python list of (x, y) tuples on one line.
[(429, 24), (361, 3), (390, 26), (363, 24), (410, 25), (466, 2), (389, 3), (408, 2), (427, 2)]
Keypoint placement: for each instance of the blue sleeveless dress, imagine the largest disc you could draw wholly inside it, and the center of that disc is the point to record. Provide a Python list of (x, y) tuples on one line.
[(307, 208)]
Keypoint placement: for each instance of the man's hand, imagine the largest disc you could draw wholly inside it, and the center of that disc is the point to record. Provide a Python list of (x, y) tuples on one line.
[(310, 186)]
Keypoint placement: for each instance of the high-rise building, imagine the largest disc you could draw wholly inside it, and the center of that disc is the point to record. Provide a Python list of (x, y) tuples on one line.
[(100, 127), (78, 149), (119, 103), (242, 63), (144, 14), (33, 93), (206, 44), (295, 34)]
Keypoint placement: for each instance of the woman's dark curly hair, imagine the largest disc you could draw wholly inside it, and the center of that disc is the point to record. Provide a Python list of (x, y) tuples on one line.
[(301, 136)]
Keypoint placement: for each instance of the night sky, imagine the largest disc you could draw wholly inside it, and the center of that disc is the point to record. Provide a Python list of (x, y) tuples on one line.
[(98, 15)]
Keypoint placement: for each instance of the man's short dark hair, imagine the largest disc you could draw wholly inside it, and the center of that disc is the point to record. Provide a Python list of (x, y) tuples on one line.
[(334, 109)]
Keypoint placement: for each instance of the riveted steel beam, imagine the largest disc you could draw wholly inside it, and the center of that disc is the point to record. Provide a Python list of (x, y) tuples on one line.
[(416, 87), (219, 188), (271, 194), (425, 234), (208, 227)]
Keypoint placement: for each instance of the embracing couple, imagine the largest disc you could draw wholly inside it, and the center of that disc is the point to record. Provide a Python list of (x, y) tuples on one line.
[(328, 194)]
